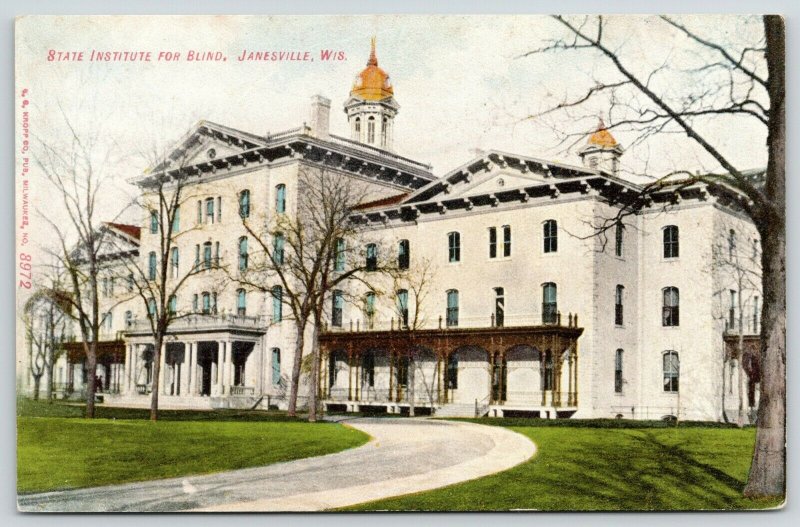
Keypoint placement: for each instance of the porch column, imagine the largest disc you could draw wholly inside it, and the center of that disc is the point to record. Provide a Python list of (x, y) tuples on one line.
[(186, 370), (163, 368), (391, 374), (126, 377), (229, 367), (575, 373), (220, 368), (570, 388), (349, 377)]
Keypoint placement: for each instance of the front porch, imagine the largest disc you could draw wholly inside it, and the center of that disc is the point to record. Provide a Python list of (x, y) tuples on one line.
[(456, 371)]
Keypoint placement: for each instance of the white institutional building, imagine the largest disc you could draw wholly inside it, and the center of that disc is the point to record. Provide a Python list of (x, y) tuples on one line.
[(528, 310)]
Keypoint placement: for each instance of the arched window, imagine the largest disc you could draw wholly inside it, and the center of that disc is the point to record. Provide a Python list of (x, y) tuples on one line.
[(243, 257), (372, 257), (337, 308), (175, 261), (454, 246), (277, 303), (731, 244), (368, 369), (153, 222), (492, 242), (618, 371), (402, 307), (549, 303), (619, 236), (671, 242), (369, 309), (241, 302), (195, 303), (244, 204), (276, 366), (671, 309), (357, 129), (452, 308), (550, 228), (383, 131), (506, 241), (207, 255), (451, 372), (214, 303), (128, 319), (277, 248), (499, 306), (403, 254), (199, 211), (151, 265), (209, 210), (206, 303), (618, 311), (176, 219), (371, 130), (172, 305), (671, 371), (280, 198), (151, 307), (341, 254)]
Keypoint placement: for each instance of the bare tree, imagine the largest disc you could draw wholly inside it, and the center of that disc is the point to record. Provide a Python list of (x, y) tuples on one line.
[(303, 257), (745, 81)]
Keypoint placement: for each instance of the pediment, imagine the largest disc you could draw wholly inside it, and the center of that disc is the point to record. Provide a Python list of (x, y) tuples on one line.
[(497, 181)]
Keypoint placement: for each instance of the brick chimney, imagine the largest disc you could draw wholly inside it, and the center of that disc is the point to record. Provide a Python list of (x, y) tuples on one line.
[(320, 116)]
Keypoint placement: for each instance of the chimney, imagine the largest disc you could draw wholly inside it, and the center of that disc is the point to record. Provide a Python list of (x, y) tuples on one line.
[(320, 116)]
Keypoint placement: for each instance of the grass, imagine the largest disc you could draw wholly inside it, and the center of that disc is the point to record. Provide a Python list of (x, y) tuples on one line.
[(606, 465), (58, 449)]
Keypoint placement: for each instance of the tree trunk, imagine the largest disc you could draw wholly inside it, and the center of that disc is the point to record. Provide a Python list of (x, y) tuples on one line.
[(724, 386), (768, 470), (48, 392), (740, 418), (297, 364), (156, 388), (411, 383), (36, 383), (91, 371), (313, 390)]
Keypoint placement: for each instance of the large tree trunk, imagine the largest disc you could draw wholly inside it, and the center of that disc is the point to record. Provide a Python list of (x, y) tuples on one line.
[(91, 371), (297, 364), (768, 471), (49, 366), (313, 389), (36, 383), (156, 378)]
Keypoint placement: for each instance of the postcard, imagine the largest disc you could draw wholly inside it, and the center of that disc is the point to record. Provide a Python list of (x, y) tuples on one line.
[(400, 263)]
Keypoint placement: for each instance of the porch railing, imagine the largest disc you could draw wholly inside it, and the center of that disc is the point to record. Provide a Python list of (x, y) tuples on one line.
[(243, 390), (554, 318)]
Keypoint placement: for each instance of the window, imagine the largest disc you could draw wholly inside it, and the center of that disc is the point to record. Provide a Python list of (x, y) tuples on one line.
[(671, 310), (216, 253), (151, 308), (206, 303), (195, 303), (241, 302), (337, 308), (506, 241), (105, 286), (357, 129), (618, 312), (131, 283), (207, 255), (619, 235), (454, 247), (214, 303), (276, 366), (128, 319), (176, 219), (243, 257), (671, 241), (210, 210), (452, 308), (340, 255), (618, 371), (244, 204), (731, 244), (732, 310), (368, 369), (153, 222), (550, 228), (384, 129), (199, 211), (492, 242), (548, 371), (402, 307), (196, 256), (369, 309), (219, 209), (402, 371), (109, 320), (151, 265), (755, 248), (172, 305), (175, 262), (549, 303), (403, 254), (277, 303), (372, 257), (451, 372), (371, 130), (277, 248), (671, 371), (280, 198), (499, 307)]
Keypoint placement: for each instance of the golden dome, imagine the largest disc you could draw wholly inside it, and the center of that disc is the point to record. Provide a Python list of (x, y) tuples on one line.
[(602, 137), (372, 84)]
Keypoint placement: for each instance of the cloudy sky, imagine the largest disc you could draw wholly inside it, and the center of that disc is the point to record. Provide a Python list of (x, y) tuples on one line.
[(460, 82)]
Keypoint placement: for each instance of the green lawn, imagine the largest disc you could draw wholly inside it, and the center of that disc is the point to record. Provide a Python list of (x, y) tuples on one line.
[(607, 466), (58, 449)]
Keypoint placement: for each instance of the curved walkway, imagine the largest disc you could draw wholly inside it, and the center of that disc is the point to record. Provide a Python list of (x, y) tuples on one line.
[(403, 456)]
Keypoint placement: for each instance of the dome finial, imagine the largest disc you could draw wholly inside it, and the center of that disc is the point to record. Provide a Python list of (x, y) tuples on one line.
[(373, 59)]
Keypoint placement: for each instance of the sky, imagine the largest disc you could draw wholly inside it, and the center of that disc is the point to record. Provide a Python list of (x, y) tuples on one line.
[(460, 81)]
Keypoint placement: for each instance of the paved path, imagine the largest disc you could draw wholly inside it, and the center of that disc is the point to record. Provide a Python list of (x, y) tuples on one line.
[(404, 455)]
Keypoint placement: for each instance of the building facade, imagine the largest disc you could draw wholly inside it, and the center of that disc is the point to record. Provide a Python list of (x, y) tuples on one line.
[(532, 287)]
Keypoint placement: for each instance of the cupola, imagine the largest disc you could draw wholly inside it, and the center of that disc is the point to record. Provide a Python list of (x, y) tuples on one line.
[(602, 151)]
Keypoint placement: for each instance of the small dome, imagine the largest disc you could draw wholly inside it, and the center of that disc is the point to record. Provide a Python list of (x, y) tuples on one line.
[(602, 137), (372, 84)]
